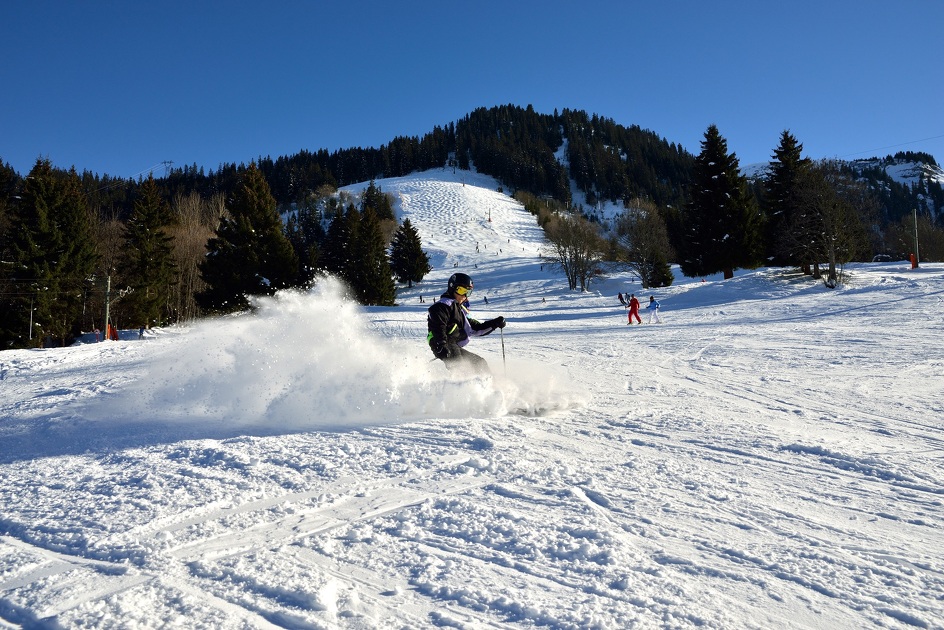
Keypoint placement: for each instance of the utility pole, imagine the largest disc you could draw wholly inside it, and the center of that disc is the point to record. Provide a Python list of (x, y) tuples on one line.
[(107, 302), (917, 255)]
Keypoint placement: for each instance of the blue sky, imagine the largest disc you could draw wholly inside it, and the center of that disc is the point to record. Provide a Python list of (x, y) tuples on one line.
[(120, 87)]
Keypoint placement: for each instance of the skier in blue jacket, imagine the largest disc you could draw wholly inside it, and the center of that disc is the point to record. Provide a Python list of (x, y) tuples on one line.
[(451, 327), (653, 309)]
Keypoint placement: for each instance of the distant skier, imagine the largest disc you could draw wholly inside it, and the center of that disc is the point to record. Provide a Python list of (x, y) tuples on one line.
[(621, 298), (653, 310), (450, 327), (634, 309)]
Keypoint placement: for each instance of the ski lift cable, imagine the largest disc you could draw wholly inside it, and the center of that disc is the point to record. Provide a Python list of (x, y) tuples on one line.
[(119, 181), (892, 146)]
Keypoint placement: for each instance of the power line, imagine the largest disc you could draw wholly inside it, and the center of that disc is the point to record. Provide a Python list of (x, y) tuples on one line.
[(892, 146), (121, 181)]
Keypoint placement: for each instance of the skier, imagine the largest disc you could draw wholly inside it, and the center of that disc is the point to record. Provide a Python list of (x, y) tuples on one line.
[(653, 310), (634, 309), (621, 298), (450, 327)]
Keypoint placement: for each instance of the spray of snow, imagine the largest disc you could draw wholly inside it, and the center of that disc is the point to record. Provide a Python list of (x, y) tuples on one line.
[(308, 360)]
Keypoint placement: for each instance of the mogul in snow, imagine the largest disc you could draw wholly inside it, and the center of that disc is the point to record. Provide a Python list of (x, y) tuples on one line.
[(451, 327)]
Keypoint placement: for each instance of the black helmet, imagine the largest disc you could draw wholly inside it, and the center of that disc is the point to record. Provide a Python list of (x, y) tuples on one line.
[(459, 280)]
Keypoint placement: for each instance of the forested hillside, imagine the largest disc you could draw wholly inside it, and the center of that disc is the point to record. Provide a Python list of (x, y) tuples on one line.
[(75, 244), (904, 182)]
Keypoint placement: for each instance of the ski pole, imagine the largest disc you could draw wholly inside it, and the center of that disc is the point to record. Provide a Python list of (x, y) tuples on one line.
[(504, 363)]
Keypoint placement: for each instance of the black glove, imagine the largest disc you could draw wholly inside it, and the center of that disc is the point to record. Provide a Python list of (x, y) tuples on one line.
[(498, 322), (448, 351)]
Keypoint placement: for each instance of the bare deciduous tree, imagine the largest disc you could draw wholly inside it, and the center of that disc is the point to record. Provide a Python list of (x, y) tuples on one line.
[(828, 226), (644, 243), (196, 220), (576, 247), (109, 236)]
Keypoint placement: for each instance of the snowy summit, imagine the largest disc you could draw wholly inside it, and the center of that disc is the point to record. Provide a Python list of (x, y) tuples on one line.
[(770, 456)]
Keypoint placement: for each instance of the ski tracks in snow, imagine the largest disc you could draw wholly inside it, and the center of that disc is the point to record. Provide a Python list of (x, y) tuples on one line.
[(699, 401), (177, 553)]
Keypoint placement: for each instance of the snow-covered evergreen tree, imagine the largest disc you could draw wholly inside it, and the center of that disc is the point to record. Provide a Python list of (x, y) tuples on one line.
[(149, 266), (721, 223), (407, 259), (250, 254)]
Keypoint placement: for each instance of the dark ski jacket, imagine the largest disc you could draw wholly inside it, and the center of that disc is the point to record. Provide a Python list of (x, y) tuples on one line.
[(450, 327)]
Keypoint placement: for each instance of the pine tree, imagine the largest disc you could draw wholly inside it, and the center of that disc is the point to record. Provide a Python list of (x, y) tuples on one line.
[(149, 266), (34, 245), (374, 198), (9, 181), (306, 234), (721, 222), (80, 256), (353, 252), (250, 254), (407, 259), (53, 258), (780, 195), (374, 279), (334, 255)]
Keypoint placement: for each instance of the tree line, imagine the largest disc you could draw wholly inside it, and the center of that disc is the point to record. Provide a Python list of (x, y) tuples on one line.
[(65, 268), (815, 216), (169, 249)]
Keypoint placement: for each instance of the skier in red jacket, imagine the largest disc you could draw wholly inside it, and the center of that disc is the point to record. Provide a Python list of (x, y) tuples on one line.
[(634, 309)]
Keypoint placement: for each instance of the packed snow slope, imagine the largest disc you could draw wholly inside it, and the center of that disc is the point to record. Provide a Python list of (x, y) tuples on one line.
[(770, 456)]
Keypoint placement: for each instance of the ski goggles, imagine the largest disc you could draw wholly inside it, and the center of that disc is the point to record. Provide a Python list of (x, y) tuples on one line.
[(463, 290)]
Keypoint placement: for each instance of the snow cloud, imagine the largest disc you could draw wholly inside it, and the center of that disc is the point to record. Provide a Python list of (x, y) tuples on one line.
[(300, 361)]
